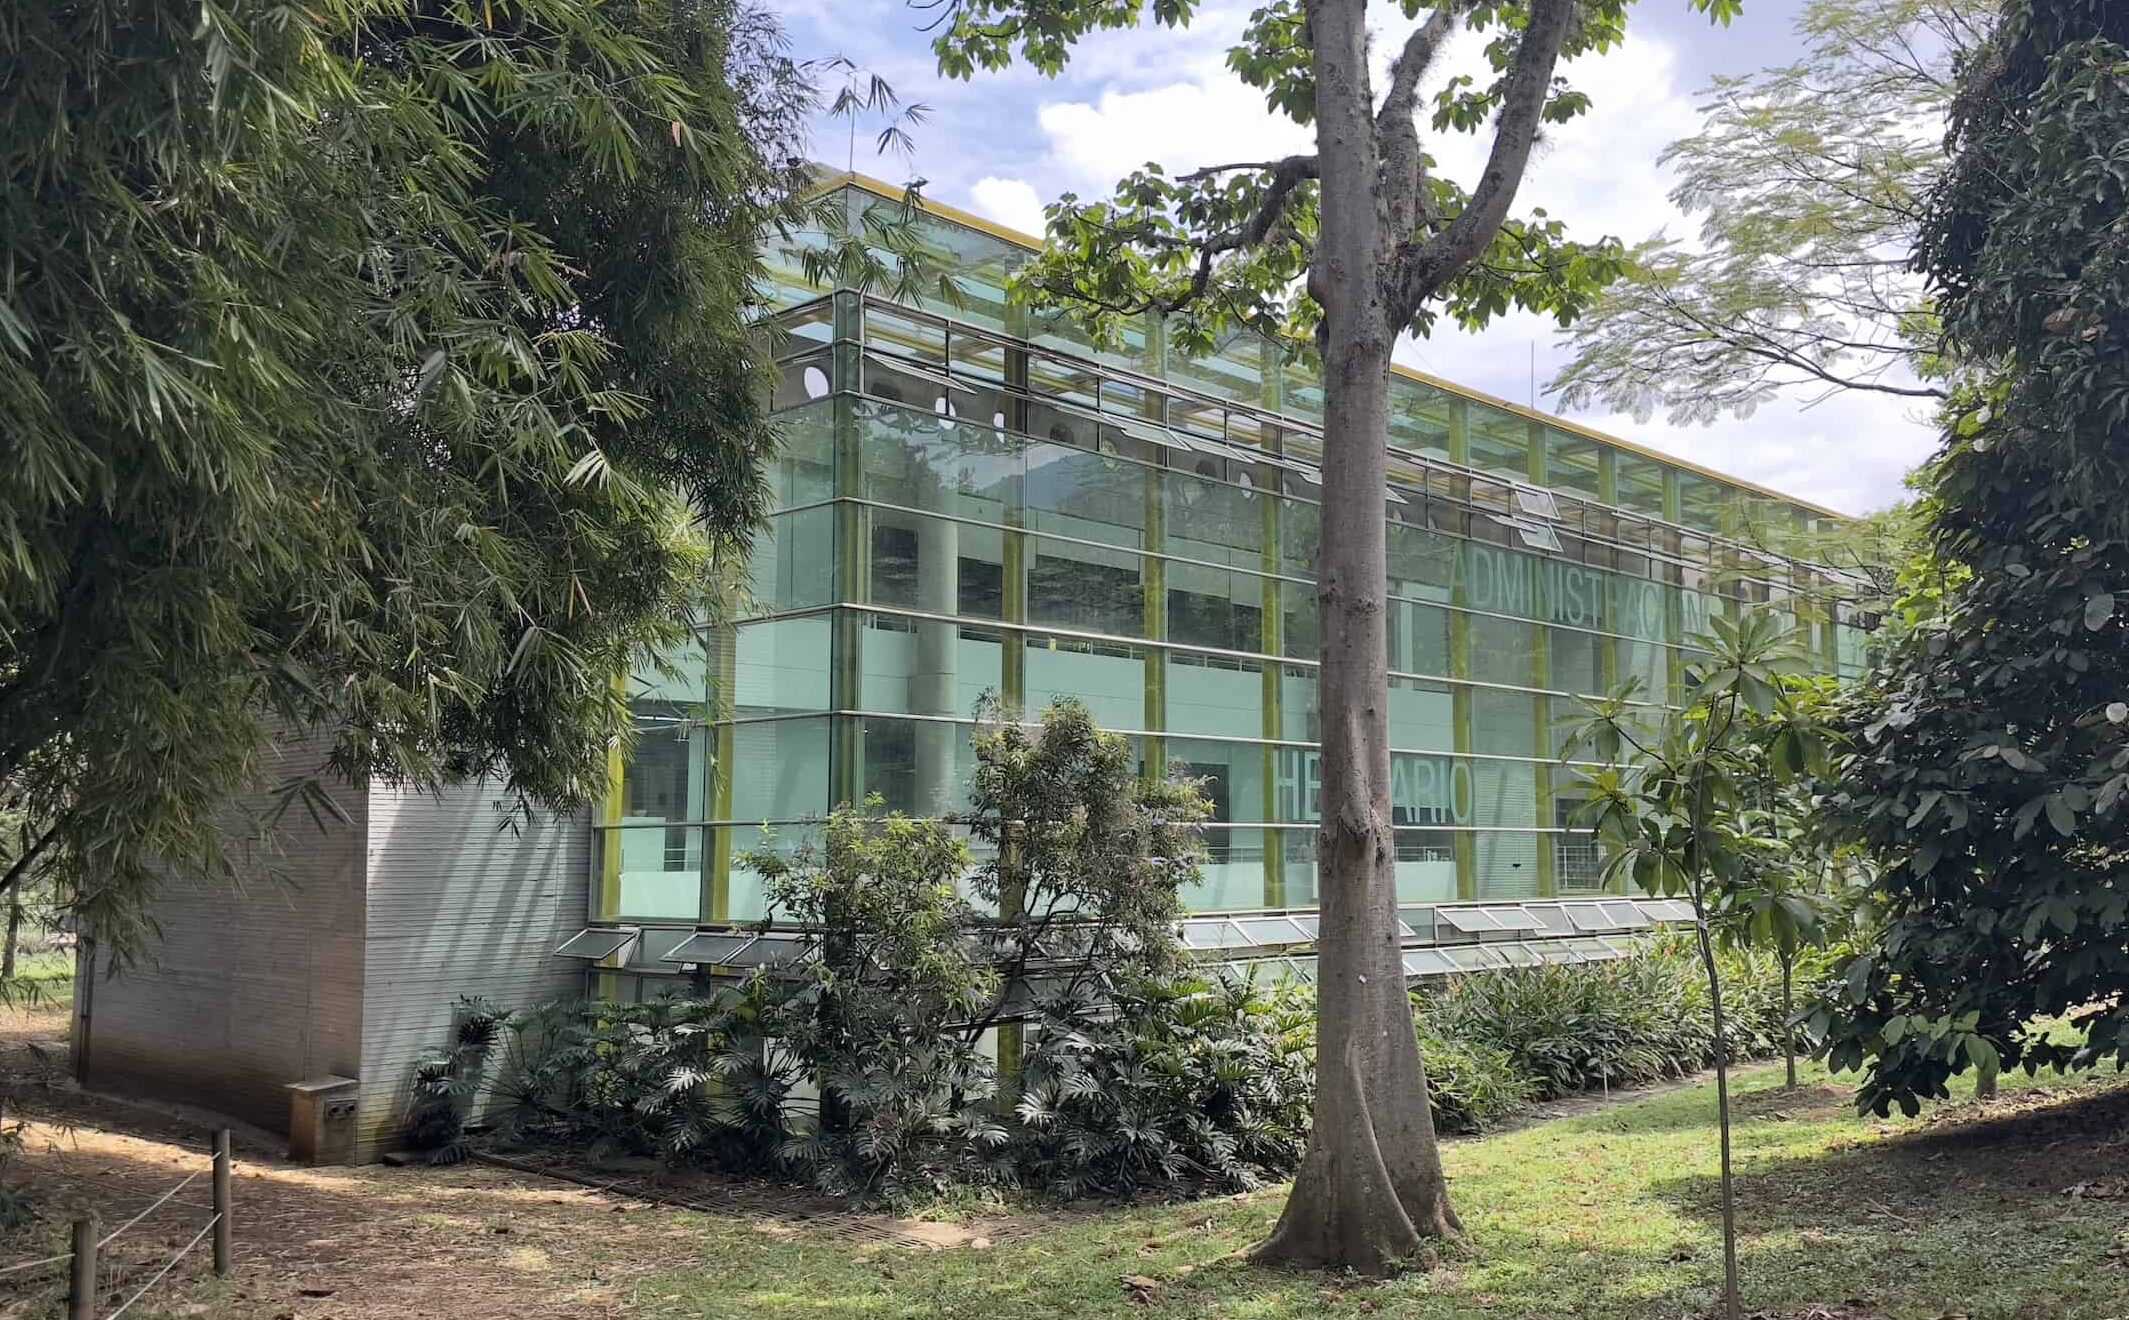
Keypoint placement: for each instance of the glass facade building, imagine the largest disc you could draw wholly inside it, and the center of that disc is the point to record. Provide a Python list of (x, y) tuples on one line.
[(974, 500)]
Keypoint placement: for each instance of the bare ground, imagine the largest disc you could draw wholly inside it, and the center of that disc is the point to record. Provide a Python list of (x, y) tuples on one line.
[(469, 1242)]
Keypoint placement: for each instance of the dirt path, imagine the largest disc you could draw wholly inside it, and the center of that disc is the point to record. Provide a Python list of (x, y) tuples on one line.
[(466, 1243)]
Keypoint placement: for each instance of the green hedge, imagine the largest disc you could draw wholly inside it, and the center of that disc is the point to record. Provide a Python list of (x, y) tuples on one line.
[(1507, 1039), (1188, 1085)]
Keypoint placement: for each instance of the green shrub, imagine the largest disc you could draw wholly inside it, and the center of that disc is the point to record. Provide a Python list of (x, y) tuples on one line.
[(877, 1018), (1628, 1022), (1472, 1086), (1195, 1084), (447, 1083), (1188, 1084), (682, 1079)]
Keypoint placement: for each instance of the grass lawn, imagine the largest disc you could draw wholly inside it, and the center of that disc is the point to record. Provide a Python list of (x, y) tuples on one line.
[(1961, 1212)]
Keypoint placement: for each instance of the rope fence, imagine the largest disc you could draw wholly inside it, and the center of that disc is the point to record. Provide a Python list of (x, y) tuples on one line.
[(82, 1257)]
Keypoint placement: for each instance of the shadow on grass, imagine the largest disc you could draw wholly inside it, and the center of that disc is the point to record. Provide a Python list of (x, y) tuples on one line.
[(2016, 1208), (1591, 1218)]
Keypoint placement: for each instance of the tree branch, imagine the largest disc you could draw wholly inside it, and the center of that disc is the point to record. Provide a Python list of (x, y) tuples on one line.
[(1286, 175), (1404, 169), (29, 855), (1421, 269)]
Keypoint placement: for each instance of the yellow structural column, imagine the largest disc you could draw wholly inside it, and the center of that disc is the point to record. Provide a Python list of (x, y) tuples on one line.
[(606, 893), (1153, 574), (1541, 707), (1272, 638), (723, 658), (1460, 666)]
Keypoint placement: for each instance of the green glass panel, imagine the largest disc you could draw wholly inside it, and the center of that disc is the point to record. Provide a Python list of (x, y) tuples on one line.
[(804, 471), (926, 667), (1421, 716), (1419, 417), (1505, 723), (1500, 442), (1234, 371), (1641, 484), (1109, 677), (1704, 504), (937, 566), (918, 767), (1231, 879), (921, 461), (780, 665), (1086, 588), (1209, 518), (1233, 775), (779, 770), (792, 562), (1215, 607), (1501, 650), (1571, 462), (1090, 496), (1419, 638), (1214, 694), (661, 871), (1576, 662)]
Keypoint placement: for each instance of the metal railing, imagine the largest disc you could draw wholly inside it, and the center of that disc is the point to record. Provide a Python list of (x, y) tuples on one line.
[(87, 1245)]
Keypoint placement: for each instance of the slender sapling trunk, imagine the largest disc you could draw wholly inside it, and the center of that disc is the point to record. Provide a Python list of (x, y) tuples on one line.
[(1788, 958), (1731, 1304)]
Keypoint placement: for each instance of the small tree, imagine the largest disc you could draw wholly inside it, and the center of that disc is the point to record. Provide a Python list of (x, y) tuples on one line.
[(1778, 904), (1084, 856), (1676, 819), (904, 1097)]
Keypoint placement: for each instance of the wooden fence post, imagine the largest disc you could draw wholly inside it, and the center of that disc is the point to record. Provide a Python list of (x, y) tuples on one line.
[(81, 1283), (221, 1203)]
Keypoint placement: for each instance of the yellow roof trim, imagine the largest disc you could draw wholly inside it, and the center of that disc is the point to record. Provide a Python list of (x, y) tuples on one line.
[(944, 211)]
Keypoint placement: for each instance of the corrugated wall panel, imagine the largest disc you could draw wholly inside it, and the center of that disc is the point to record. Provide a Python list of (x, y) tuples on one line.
[(459, 904), (250, 987)]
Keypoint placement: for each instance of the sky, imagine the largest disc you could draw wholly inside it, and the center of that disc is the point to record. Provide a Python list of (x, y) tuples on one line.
[(1005, 144)]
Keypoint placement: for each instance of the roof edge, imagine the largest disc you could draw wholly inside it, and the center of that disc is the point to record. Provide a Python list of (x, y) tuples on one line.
[(1018, 238)]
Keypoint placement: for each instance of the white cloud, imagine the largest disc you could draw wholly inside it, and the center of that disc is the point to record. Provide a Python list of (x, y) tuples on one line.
[(1209, 118), (1013, 203)]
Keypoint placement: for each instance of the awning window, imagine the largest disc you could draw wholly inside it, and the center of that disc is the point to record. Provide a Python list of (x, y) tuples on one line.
[(1665, 909), (1427, 962), (598, 943), (1470, 921), (1513, 917), (1274, 930), (730, 948), (1218, 933), (1590, 918)]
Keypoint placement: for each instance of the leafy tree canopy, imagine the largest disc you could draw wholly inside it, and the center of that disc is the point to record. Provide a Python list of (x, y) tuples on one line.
[(1219, 246), (1809, 180), (360, 363), (1991, 769)]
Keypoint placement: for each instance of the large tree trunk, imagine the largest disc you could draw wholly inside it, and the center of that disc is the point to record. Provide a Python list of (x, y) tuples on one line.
[(1371, 1188)]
